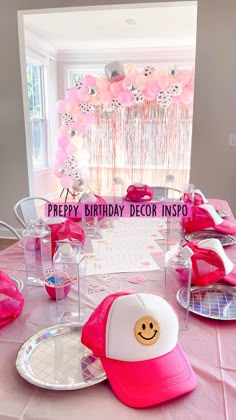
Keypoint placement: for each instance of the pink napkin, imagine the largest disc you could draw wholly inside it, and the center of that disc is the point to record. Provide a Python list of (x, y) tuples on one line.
[(12, 301)]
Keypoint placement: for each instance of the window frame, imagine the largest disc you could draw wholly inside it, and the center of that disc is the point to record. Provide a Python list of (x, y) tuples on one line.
[(33, 59)]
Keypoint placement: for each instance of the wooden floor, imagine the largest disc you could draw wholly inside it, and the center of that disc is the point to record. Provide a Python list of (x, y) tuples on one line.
[(5, 243)]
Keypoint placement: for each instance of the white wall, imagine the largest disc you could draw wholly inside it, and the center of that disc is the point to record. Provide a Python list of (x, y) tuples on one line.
[(213, 163)]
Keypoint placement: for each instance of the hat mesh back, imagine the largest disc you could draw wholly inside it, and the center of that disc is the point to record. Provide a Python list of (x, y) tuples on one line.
[(94, 331)]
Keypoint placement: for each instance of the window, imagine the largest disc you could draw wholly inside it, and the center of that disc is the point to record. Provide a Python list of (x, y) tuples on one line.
[(74, 75), (38, 121)]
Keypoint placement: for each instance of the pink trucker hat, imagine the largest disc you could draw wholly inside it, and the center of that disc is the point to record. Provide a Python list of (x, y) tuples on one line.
[(196, 197), (204, 217), (209, 262), (135, 336)]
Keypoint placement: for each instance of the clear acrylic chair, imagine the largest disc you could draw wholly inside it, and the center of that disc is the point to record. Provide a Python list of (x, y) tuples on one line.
[(165, 192), (10, 228), (26, 209)]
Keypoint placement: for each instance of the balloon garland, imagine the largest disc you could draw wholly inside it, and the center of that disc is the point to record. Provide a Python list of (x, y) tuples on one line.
[(122, 86)]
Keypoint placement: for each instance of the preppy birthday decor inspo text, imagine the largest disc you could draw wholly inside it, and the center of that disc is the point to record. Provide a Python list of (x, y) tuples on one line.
[(122, 209)]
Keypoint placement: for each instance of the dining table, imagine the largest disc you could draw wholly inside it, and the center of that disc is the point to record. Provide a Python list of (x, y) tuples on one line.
[(208, 344)]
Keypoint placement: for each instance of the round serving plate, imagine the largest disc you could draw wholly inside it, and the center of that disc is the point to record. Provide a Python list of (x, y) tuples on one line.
[(206, 234), (56, 359), (19, 283), (216, 301), (222, 213)]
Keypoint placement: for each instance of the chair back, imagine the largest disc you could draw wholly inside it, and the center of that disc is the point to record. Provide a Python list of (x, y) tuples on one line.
[(165, 193), (26, 209), (10, 228)]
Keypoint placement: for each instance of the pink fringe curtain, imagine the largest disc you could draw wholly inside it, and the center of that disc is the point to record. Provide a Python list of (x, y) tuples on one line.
[(142, 143)]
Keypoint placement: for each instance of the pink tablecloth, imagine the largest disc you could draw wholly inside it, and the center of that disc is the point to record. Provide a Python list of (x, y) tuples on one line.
[(209, 345)]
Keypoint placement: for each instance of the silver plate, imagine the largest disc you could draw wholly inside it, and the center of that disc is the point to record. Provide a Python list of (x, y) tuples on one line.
[(56, 359), (205, 234), (216, 301), (19, 283), (222, 213)]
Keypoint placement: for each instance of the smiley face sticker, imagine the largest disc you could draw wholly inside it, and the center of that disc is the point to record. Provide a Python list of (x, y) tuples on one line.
[(147, 330)]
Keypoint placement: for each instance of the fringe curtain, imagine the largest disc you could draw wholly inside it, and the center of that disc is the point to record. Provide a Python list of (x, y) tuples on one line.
[(142, 143)]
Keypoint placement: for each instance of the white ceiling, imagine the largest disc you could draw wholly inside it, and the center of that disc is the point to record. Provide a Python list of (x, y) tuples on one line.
[(157, 25)]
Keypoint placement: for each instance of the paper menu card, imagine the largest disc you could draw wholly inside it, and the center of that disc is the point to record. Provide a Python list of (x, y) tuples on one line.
[(113, 243), (122, 261), (127, 247), (146, 225)]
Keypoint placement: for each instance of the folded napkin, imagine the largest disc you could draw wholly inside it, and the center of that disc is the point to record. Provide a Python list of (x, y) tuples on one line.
[(66, 230), (11, 300)]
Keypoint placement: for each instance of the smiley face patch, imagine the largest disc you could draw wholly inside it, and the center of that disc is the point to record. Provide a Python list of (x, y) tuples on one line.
[(147, 330)]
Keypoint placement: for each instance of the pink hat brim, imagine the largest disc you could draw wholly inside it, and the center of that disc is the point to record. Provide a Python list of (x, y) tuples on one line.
[(226, 227), (231, 277), (150, 382)]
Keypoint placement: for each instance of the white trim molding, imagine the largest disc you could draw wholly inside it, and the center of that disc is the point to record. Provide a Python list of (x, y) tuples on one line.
[(178, 55), (39, 46)]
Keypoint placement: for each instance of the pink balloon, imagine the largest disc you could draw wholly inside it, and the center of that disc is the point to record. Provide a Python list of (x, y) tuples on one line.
[(125, 98), (61, 106), (89, 80), (147, 96), (60, 154), (141, 81), (107, 97), (71, 149), (175, 99), (130, 68), (127, 82), (186, 97), (103, 83), (163, 78), (184, 76), (164, 82), (80, 118), (95, 100), (63, 129), (72, 95), (82, 129), (83, 94), (158, 74), (90, 118), (152, 88), (63, 141), (115, 88), (70, 107), (190, 84), (66, 181)]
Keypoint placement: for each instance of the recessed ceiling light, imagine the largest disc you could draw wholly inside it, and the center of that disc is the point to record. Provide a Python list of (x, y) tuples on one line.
[(130, 21)]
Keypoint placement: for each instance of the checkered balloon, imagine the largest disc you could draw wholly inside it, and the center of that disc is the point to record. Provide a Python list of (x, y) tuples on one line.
[(148, 70), (116, 105), (71, 162), (164, 99), (67, 119), (86, 108), (137, 98), (176, 89), (78, 84), (75, 174)]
